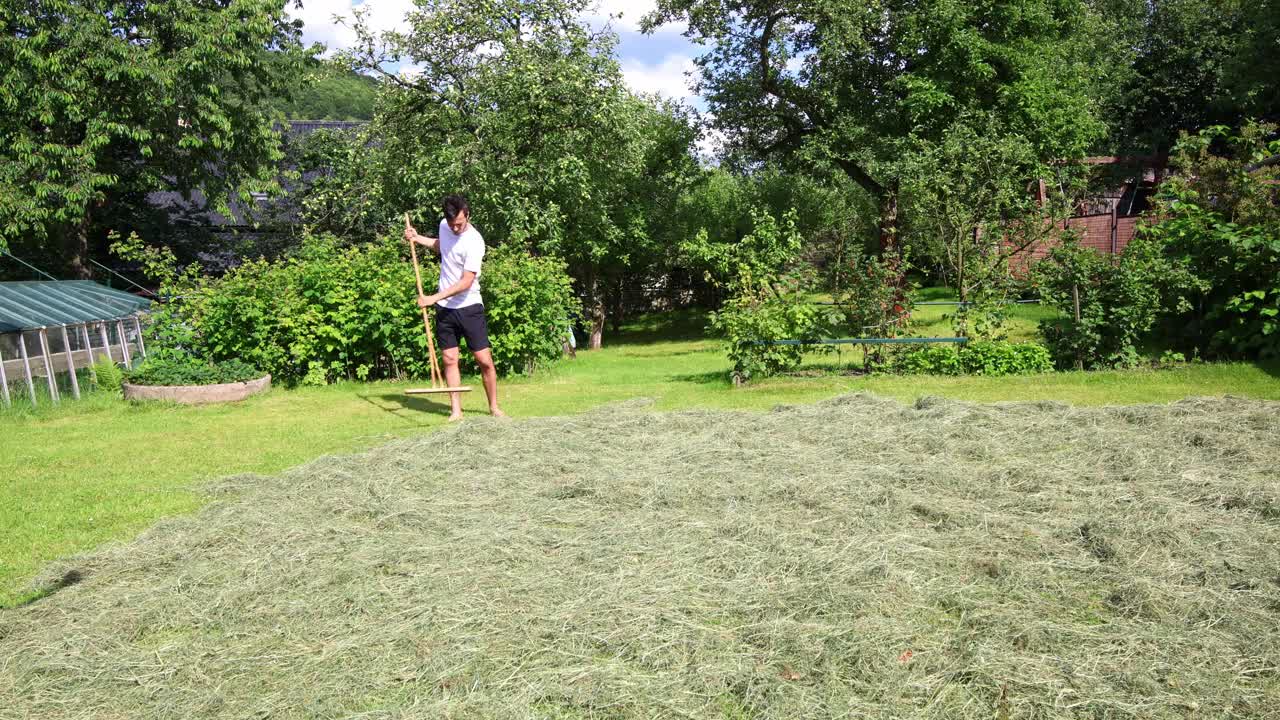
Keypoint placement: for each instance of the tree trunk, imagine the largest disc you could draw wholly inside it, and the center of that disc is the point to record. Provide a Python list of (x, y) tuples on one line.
[(75, 248), (887, 195), (594, 306), (619, 306), (889, 220), (597, 325)]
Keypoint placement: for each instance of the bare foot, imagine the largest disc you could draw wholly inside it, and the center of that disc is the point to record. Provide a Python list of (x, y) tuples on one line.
[(455, 417), (497, 413)]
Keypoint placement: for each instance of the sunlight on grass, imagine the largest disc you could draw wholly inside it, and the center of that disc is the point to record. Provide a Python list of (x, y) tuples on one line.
[(101, 469)]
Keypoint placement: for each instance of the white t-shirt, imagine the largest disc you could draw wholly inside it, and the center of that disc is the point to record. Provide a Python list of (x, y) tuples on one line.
[(459, 253)]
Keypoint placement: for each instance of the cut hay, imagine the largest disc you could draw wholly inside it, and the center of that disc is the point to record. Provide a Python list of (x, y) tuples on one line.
[(858, 558)]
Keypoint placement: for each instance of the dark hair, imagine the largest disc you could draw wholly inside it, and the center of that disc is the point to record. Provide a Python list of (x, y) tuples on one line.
[(455, 204)]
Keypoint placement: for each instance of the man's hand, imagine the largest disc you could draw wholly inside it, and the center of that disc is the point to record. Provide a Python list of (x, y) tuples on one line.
[(410, 233), (426, 301)]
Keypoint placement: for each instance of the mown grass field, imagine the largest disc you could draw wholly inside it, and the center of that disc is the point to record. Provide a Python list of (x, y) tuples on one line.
[(74, 477), (858, 557)]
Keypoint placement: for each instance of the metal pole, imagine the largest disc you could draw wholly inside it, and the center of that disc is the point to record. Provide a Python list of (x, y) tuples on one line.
[(4, 382), (48, 366), (142, 347), (124, 345), (26, 364), (106, 341), (1075, 302), (71, 362)]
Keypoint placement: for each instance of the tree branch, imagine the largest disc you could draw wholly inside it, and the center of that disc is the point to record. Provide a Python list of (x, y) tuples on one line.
[(860, 176), (1273, 160)]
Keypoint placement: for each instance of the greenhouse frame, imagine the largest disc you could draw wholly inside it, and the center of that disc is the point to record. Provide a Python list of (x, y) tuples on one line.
[(50, 330)]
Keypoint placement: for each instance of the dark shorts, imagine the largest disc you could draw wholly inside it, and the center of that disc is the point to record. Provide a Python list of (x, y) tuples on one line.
[(467, 322)]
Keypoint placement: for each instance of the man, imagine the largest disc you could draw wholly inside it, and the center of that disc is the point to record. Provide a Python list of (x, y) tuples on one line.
[(459, 308)]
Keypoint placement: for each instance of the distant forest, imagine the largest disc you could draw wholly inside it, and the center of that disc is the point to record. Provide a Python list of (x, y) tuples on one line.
[(333, 95)]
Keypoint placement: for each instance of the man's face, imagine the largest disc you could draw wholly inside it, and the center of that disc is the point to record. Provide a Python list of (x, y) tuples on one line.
[(459, 222)]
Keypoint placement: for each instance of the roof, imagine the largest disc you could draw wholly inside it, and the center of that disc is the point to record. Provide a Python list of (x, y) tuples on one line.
[(305, 127), (36, 304), (195, 208)]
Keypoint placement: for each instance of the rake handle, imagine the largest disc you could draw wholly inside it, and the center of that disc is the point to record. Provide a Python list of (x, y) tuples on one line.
[(436, 379)]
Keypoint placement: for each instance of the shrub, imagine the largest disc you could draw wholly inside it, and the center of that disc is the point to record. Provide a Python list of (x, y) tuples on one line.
[(1220, 228), (1004, 358), (528, 302), (928, 360), (991, 358), (333, 311), (762, 313), (1119, 303), (107, 375), (169, 371), (876, 301)]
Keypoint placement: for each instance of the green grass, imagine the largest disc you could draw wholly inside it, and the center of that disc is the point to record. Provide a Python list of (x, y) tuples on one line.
[(89, 472), (935, 320)]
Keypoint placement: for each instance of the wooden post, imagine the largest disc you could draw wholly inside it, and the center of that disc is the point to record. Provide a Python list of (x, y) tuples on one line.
[(1075, 302), (71, 363), (106, 341), (49, 377), (88, 348), (4, 381), (26, 364), (1115, 220), (124, 345), (142, 347)]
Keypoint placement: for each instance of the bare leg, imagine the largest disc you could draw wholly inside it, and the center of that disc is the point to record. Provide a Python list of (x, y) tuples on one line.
[(489, 374), (453, 378)]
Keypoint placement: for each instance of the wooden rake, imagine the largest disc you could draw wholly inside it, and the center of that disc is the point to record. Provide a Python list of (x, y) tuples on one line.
[(437, 378)]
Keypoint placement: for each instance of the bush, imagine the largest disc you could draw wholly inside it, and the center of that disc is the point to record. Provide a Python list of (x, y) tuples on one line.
[(1005, 358), (1120, 302), (761, 313), (928, 360), (168, 371), (333, 311), (876, 300), (107, 375), (990, 358), (528, 302), (1220, 228)]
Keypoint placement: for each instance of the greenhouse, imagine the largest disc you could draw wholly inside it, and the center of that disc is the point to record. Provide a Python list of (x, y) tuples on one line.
[(52, 332)]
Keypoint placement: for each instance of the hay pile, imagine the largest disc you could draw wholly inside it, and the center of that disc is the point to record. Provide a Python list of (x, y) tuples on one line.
[(858, 558)]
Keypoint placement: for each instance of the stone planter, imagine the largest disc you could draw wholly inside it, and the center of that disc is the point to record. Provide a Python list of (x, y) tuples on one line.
[(197, 394)]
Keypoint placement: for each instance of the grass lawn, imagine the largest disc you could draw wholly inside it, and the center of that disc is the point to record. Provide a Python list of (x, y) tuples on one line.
[(74, 477)]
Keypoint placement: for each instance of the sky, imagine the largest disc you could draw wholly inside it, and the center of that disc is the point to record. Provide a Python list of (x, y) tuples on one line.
[(655, 63)]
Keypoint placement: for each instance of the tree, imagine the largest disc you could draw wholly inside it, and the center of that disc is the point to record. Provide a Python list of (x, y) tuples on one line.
[(1181, 65), (829, 83), (1178, 52), (968, 211), (523, 107), (721, 210), (102, 99), (1253, 72)]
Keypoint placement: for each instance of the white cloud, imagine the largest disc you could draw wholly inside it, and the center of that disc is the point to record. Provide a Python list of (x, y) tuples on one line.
[(710, 142), (319, 23), (668, 78), (632, 11)]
